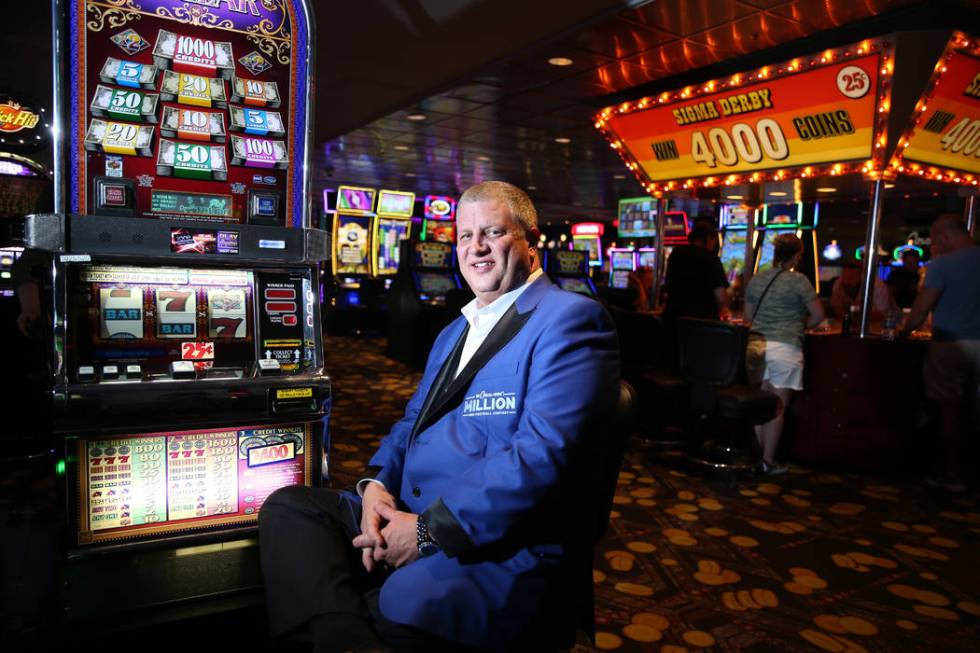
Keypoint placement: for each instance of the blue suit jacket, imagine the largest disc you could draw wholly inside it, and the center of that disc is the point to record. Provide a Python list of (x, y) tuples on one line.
[(505, 467)]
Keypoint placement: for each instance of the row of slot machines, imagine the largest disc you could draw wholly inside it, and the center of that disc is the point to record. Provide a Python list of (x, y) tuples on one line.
[(428, 293), (187, 366), (770, 221), (369, 226)]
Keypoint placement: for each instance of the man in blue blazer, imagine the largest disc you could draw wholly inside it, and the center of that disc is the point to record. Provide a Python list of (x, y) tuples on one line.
[(477, 527)]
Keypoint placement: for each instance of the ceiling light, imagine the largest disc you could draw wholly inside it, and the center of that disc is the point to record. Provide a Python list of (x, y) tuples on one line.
[(826, 189), (483, 158), (778, 193), (415, 117), (619, 176), (735, 197), (889, 185), (401, 148), (560, 61), (409, 174), (563, 140), (534, 188)]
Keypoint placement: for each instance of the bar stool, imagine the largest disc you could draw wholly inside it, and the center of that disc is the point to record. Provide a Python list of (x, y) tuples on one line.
[(712, 361)]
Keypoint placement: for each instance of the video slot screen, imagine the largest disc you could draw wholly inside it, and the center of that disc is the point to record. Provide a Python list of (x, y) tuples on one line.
[(675, 225), (733, 254), (390, 235), (619, 279), (767, 250), (152, 485), (433, 256), (736, 217), (569, 262), (638, 218), (591, 245), (153, 316), (351, 199), (434, 285), (573, 284), (648, 258), (782, 214), (439, 207), (622, 260), (439, 231), (396, 203), (352, 244)]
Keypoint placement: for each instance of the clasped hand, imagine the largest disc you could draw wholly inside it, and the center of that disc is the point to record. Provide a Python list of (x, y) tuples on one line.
[(395, 543)]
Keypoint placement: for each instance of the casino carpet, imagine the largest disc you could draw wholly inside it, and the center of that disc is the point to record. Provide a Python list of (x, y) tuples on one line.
[(809, 561)]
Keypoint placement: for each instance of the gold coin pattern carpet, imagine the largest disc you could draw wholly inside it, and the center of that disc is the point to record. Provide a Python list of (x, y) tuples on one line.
[(810, 561)]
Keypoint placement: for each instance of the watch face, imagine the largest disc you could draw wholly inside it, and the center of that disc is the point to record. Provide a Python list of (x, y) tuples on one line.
[(427, 548)]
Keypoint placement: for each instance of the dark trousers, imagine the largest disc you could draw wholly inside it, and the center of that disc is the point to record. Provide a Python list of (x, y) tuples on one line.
[(316, 586)]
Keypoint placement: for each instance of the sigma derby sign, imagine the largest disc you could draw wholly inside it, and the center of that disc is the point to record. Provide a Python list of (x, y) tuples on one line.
[(815, 111)]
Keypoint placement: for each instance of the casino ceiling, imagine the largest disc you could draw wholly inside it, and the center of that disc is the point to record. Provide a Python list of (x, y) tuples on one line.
[(457, 97), (432, 95)]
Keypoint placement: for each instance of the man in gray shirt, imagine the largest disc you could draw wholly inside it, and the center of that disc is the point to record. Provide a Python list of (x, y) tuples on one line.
[(952, 366)]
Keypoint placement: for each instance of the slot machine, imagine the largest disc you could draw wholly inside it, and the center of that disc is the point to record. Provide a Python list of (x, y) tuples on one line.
[(418, 306), (439, 219), (188, 377), (734, 221), (622, 262), (393, 225), (432, 266), (569, 269), (587, 237), (353, 244)]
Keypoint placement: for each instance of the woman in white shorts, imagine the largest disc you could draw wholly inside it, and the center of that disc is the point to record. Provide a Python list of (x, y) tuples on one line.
[(779, 303)]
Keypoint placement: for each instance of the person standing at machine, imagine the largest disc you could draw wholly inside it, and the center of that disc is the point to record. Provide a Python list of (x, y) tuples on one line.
[(479, 520), (952, 366), (779, 304)]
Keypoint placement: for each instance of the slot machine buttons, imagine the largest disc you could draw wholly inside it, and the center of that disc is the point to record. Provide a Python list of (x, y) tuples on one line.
[(114, 196), (86, 374), (263, 208), (183, 370), (134, 372), (110, 372), (269, 367)]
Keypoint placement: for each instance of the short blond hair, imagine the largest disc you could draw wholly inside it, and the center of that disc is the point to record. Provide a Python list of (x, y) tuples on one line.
[(521, 207)]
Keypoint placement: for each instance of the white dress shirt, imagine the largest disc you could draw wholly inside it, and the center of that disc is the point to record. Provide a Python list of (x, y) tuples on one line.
[(483, 320)]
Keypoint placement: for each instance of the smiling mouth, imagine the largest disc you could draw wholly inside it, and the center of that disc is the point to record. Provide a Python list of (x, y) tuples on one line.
[(483, 265)]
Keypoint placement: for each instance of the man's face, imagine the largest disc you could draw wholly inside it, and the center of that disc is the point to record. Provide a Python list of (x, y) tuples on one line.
[(494, 255), (910, 262)]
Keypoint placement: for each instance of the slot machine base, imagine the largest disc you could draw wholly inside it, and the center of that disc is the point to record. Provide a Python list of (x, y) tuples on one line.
[(142, 587)]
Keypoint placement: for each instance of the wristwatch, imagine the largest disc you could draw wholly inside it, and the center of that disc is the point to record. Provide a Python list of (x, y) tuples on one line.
[(427, 546)]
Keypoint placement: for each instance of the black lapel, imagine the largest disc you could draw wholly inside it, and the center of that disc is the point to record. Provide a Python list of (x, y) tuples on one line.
[(441, 383), (509, 326)]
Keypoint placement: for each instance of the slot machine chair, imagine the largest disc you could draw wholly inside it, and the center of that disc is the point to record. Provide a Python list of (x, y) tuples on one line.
[(662, 391), (712, 363)]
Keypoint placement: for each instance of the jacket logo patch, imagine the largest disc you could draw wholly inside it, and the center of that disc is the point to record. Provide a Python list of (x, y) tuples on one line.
[(489, 404)]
